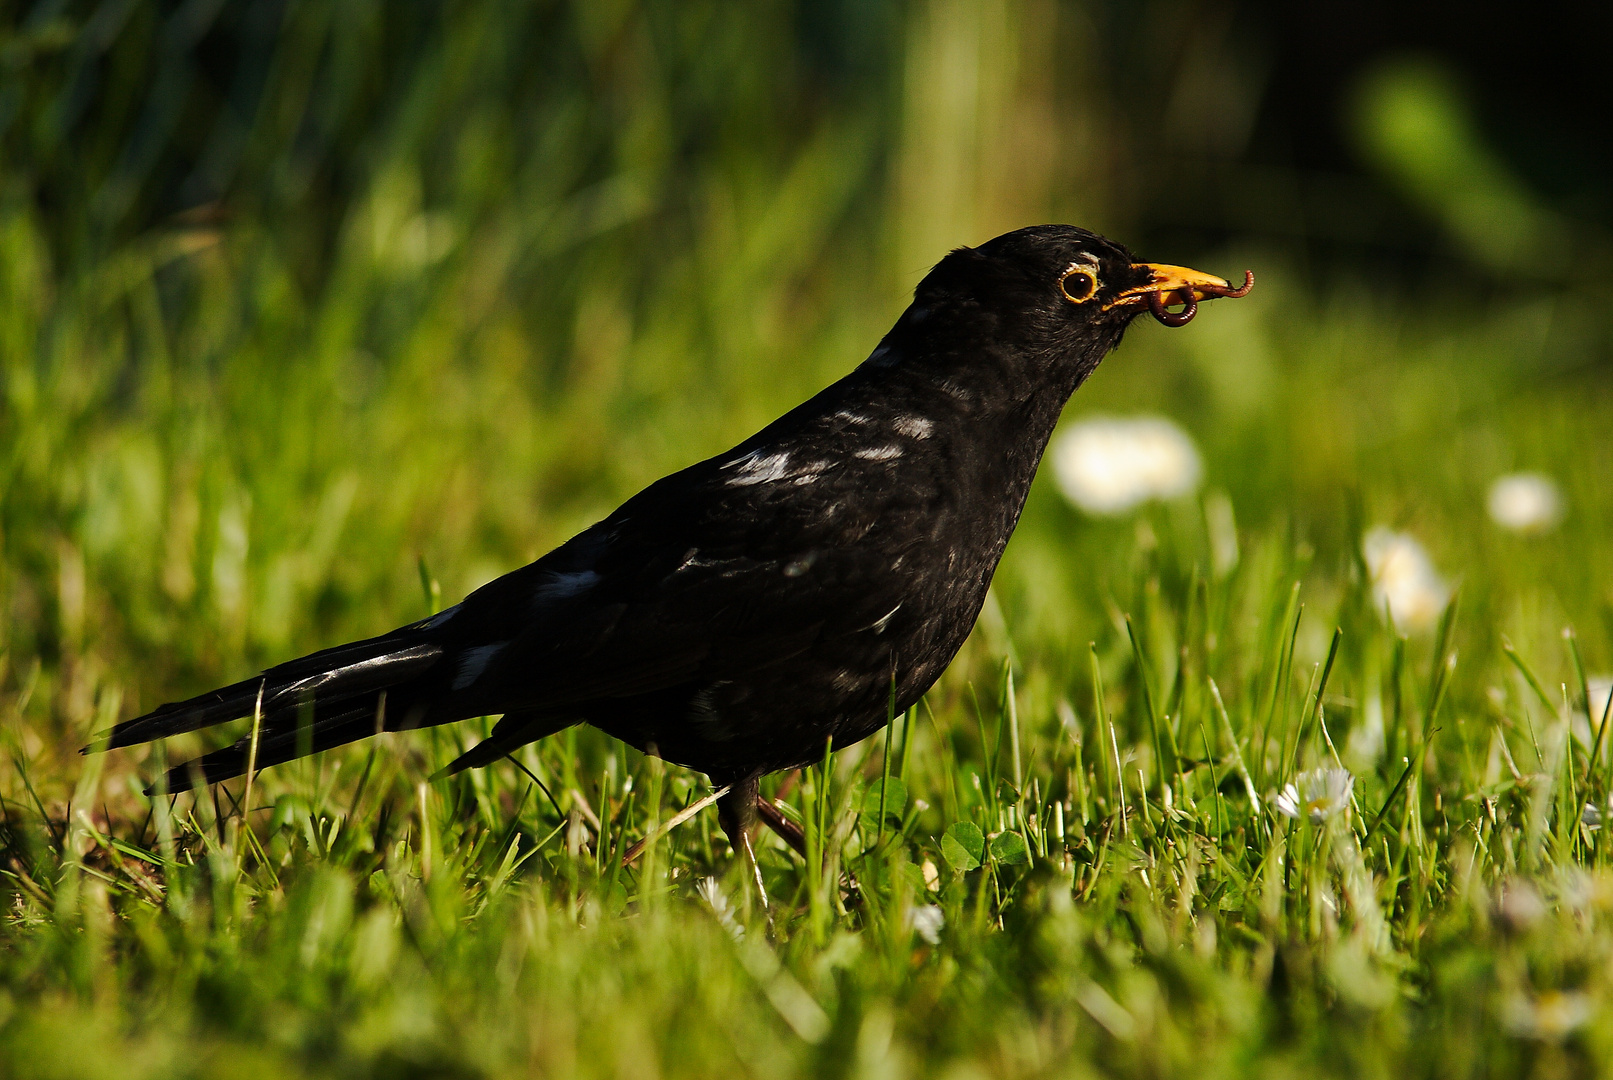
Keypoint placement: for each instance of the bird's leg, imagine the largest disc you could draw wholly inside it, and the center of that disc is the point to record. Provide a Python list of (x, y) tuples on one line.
[(791, 834), (787, 830), (736, 812)]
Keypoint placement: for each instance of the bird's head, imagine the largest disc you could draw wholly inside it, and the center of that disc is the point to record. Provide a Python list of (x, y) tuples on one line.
[(1060, 289)]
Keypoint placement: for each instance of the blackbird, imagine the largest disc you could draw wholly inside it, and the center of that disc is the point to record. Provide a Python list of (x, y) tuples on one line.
[(735, 615)]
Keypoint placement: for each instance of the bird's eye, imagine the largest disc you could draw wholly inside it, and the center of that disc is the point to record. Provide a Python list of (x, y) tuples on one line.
[(1078, 285)]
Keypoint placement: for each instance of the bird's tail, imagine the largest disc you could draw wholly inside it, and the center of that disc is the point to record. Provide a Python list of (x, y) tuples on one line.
[(314, 703)]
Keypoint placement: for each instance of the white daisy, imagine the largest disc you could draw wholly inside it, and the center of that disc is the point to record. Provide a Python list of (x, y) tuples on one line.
[(927, 921), (1107, 465), (1548, 1017), (1584, 726), (711, 892), (1521, 905), (1318, 795), (1404, 581), (1601, 688), (1526, 503)]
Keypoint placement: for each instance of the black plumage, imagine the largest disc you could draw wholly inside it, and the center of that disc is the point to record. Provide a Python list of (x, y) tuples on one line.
[(732, 616)]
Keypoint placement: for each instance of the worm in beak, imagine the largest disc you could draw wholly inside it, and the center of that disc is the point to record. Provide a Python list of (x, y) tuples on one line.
[(1168, 285)]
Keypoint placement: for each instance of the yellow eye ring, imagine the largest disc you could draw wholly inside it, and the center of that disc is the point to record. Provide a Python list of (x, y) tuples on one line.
[(1084, 285)]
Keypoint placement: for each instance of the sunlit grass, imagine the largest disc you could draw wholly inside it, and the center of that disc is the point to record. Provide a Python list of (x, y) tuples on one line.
[(1099, 841)]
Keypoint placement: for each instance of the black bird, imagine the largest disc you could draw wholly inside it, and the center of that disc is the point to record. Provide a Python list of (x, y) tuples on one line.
[(733, 616)]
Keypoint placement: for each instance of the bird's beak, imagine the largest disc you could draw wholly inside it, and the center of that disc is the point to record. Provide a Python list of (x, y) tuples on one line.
[(1177, 285)]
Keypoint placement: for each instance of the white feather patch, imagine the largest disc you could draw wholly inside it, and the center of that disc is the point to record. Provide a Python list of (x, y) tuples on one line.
[(560, 586), (474, 661), (758, 468)]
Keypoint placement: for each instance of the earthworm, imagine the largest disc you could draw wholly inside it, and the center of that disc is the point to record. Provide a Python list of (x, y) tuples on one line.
[(1243, 290), (1157, 300)]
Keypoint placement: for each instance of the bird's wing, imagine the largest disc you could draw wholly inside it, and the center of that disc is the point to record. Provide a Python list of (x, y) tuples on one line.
[(695, 578)]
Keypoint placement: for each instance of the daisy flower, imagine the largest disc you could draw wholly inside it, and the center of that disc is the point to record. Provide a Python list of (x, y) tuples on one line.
[(1404, 581), (1525, 503), (1108, 465), (1319, 795)]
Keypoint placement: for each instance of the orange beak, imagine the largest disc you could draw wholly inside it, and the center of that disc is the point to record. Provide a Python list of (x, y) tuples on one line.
[(1178, 285)]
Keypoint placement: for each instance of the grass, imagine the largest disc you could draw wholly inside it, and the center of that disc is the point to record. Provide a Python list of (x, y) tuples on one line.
[(229, 439)]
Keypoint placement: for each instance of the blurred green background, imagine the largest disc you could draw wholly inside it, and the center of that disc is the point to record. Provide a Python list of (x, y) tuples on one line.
[(296, 295), (304, 306)]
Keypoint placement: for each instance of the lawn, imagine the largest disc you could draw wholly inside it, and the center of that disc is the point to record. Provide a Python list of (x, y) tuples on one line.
[(1189, 802)]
